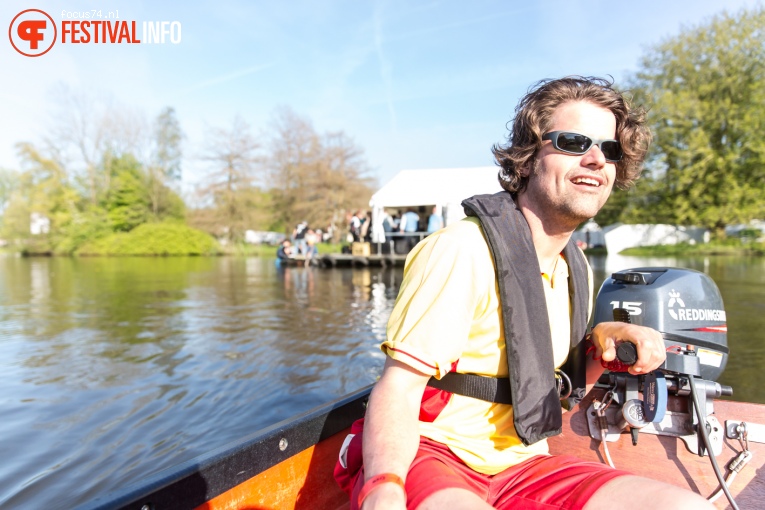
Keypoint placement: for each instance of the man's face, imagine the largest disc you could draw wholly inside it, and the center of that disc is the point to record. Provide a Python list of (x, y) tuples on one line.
[(569, 188)]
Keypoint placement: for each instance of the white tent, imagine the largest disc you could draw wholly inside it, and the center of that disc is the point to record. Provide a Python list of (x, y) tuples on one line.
[(444, 188)]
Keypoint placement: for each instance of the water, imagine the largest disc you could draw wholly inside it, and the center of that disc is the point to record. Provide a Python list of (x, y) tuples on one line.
[(113, 368)]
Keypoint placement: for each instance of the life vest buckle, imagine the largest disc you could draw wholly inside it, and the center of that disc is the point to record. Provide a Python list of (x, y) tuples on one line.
[(563, 384)]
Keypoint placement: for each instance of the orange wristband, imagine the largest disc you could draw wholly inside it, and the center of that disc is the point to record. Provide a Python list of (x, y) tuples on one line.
[(376, 481)]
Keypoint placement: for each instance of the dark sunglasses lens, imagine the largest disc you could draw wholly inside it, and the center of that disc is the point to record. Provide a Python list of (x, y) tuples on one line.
[(572, 142), (611, 150)]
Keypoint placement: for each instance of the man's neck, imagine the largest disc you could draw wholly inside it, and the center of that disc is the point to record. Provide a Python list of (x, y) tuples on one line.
[(549, 236)]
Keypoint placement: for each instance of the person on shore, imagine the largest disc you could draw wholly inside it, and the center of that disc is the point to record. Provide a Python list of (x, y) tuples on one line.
[(502, 296), (410, 221), (366, 226), (435, 221), (285, 250), (298, 236), (410, 224), (354, 227), (312, 249)]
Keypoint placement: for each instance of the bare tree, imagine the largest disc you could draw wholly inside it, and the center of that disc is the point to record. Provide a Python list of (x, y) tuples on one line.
[(87, 129), (232, 155), (314, 178)]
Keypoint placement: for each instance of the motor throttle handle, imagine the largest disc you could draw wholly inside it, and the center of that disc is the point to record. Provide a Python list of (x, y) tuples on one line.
[(626, 352)]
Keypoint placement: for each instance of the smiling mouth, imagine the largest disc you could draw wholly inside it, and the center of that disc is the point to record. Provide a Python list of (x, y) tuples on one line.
[(588, 181)]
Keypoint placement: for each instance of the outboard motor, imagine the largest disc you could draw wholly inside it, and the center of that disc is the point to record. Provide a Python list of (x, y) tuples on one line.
[(685, 306)]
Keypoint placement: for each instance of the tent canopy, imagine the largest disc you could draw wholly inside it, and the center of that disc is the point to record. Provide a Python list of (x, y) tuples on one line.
[(444, 188), (437, 186)]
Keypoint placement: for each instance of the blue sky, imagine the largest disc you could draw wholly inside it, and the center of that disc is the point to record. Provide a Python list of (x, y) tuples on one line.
[(415, 84)]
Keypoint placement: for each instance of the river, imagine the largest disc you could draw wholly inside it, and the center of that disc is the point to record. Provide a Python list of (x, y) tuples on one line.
[(115, 368)]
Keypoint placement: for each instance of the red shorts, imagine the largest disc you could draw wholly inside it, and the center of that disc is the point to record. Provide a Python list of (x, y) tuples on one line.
[(542, 482)]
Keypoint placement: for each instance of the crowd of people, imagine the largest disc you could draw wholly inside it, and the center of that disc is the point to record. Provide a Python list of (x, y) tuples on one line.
[(406, 225), (302, 244)]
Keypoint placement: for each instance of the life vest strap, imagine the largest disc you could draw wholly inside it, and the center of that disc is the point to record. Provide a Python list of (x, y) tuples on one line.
[(490, 389)]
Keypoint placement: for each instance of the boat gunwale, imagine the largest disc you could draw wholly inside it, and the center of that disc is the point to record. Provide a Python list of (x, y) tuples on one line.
[(200, 479)]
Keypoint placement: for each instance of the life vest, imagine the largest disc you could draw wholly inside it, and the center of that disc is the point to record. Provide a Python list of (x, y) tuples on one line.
[(532, 385)]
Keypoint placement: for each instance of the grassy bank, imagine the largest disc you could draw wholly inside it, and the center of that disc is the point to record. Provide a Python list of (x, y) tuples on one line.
[(726, 247), (264, 250), (153, 239)]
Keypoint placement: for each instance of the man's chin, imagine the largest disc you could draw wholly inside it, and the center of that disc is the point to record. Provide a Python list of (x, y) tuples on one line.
[(579, 215)]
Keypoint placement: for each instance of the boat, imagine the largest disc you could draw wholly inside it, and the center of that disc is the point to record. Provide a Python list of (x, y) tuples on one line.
[(290, 465), (660, 436), (295, 261)]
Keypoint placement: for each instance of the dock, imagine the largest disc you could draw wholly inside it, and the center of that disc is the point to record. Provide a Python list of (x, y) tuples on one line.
[(348, 260)]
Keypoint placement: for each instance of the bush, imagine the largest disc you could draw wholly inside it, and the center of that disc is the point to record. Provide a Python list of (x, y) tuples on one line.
[(724, 247), (154, 239), (82, 228)]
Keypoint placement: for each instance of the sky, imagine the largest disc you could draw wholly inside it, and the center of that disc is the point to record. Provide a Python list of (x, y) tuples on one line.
[(428, 84)]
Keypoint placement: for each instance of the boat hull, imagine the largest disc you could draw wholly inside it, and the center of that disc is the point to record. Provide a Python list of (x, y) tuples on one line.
[(290, 465)]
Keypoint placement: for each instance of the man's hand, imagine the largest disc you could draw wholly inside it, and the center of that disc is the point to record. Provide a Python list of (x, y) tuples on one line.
[(650, 345)]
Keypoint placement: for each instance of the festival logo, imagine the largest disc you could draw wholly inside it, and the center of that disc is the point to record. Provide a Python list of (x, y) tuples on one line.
[(32, 32)]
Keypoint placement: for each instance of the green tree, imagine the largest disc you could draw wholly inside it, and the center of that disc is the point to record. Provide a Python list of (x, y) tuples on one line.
[(9, 182), (706, 91), (42, 188), (128, 203)]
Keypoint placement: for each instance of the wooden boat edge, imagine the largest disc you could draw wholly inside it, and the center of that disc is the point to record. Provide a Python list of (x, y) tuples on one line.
[(196, 482)]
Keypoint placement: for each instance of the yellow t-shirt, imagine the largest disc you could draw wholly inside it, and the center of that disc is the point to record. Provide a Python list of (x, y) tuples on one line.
[(448, 309)]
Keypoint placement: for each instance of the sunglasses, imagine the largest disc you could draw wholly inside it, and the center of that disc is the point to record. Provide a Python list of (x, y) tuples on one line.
[(574, 143)]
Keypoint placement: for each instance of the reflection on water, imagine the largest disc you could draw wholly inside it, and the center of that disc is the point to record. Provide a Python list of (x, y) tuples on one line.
[(113, 369)]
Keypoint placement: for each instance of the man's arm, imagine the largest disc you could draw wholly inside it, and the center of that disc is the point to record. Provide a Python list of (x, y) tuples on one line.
[(391, 430), (650, 348)]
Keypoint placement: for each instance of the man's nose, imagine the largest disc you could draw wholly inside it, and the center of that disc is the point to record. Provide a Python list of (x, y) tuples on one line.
[(594, 157)]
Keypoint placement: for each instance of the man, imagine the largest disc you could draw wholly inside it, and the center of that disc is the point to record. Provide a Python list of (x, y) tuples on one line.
[(435, 221), (410, 224), (410, 221), (284, 251), (354, 227), (298, 235), (572, 139)]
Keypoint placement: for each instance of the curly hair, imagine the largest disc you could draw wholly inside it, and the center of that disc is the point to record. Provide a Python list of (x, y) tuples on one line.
[(533, 118)]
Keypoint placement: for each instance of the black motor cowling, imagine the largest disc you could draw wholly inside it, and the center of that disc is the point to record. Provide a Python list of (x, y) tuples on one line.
[(683, 304)]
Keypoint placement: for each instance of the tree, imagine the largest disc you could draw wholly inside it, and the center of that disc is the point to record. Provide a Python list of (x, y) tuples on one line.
[(85, 129), (9, 181), (43, 188), (230, 186), (706, 89), (316, 178), (164, 168), (168, 137), (128, 203)]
